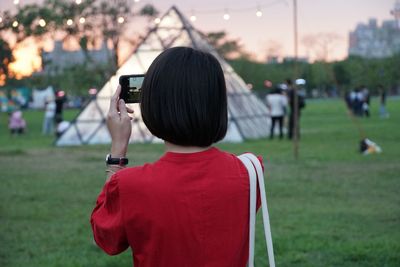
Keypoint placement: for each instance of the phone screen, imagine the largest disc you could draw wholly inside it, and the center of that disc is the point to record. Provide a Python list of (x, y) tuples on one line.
[(131, 87)]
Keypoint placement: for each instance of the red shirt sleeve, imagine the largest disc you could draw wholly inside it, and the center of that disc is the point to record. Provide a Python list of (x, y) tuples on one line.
[(106, 220)]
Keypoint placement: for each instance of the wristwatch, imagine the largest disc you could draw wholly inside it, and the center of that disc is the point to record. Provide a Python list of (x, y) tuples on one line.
[(116, 161)]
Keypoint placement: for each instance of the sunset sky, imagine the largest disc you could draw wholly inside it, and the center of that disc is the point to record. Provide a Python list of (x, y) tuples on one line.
[(274, 29)]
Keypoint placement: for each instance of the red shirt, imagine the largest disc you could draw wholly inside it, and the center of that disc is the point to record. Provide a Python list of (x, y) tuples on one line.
[(182, 210)]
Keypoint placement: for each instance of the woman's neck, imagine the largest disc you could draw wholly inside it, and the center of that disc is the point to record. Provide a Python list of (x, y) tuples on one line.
[(169, 147)]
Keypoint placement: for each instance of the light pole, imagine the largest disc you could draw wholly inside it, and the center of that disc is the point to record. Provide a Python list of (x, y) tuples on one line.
[(294, 89)]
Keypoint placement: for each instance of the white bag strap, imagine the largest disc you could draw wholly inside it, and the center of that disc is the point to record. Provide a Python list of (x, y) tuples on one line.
[(252, 208), (252, 163)]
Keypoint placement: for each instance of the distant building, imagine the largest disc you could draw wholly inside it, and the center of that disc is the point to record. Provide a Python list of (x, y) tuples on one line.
[(59, 59), (396, 12), (374, 41), (292, 59)]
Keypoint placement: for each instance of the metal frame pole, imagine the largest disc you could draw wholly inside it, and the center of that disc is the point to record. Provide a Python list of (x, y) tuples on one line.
[(294, 89)]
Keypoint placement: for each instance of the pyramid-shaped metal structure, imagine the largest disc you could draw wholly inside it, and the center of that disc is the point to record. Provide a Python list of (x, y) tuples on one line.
[(248, 116)]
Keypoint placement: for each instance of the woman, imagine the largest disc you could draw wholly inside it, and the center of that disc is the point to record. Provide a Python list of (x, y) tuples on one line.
[(16, 123), (189, 208)]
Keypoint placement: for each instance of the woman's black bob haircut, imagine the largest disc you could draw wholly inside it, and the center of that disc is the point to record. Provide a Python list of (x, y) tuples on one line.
[(183, 98)]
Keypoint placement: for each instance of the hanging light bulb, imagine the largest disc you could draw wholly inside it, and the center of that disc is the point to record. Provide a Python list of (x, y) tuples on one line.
[(42, 23), (70, 22), (1, 19), (16, 2), (226, 16), (259, 13), (78, 2), (15, 24), (193, 17), (121, 20), (82, 20), (157, 20)]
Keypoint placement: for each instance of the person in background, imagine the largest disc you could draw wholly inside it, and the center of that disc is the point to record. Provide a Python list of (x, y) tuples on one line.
[(382, 101), (352, 101), (347, 100), (60, 99), (358, 102), (300, 105), (16, 123), (49, 113), (365, 101), (277, 104)]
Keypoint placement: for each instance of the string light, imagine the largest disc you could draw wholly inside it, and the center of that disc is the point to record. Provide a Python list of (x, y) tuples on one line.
[(193, 17), (42, 23), (1, 19), (70, 22), (16, 2), (157, 20), (78, 2), (15, 24), (121, 20), (226, 16), (82, 20), (137, 1), (226, 12)]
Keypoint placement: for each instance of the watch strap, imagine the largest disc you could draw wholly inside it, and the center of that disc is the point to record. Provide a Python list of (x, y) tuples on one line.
[(116, 161)]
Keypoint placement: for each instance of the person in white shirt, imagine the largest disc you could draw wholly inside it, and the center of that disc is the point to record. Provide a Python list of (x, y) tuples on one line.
[(48, 121), (277, 104)]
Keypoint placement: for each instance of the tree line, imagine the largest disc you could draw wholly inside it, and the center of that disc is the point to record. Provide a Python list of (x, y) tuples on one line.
[(324, 76), (342, 76)]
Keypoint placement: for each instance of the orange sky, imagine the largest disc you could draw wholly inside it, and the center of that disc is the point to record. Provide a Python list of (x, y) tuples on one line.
[(273, 30)]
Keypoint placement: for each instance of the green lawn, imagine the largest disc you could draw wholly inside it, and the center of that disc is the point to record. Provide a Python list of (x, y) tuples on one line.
[(332, 207)]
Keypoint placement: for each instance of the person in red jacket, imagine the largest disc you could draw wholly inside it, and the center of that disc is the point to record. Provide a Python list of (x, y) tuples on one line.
[(191, 207)]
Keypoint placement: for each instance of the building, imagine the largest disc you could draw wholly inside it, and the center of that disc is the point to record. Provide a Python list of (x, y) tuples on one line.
[(376, 41), (290, 59), (59, 59)]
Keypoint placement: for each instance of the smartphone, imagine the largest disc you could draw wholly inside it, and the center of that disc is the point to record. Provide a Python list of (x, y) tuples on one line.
[(131, 87)]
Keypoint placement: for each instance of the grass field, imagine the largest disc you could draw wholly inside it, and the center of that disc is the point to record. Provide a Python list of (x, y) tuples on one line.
[(332, 207)]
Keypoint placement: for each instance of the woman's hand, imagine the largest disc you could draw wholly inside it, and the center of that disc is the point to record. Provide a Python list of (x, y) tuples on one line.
[(119, 125)]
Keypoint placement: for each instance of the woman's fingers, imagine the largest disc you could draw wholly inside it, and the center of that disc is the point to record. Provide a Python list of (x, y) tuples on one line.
[(123, 109), (118, 108), (114, 101)]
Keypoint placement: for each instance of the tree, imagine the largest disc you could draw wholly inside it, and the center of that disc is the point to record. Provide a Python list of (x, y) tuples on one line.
[(320, 46), (274, 50), (6, 57), (89, 22), (342, 76), (228, 48)]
